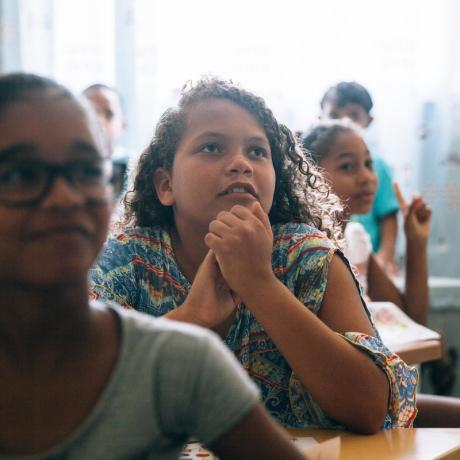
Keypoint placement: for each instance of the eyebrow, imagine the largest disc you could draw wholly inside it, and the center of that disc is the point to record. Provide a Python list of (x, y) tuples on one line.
[(346, 155), (209, 134), (17, 149), (30, 150), (259, 139), (351, 155), (80, 146), (217, 135)]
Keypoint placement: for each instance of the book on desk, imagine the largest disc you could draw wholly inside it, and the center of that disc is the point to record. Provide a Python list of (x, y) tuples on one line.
[(395, 327)]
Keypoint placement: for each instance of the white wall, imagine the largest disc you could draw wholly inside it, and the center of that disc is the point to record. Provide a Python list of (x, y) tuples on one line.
[(290, 52)]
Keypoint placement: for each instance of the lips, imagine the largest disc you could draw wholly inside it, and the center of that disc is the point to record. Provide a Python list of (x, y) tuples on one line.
[(239, 187), (367, 195), (60, 230)]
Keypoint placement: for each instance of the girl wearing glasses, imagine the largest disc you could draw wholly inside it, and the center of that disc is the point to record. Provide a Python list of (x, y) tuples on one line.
[(86, 380)]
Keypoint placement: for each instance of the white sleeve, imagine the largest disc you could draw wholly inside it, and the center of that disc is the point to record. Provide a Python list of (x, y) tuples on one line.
[(359, 246)]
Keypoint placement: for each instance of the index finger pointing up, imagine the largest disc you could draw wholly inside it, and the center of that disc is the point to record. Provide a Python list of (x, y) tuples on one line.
[(402, 202)]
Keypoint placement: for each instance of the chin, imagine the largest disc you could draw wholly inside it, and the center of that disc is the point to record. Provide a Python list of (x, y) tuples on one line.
[(60, 274), (361, 209)]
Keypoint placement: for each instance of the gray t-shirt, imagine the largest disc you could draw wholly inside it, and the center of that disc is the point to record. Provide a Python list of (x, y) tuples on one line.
[(171, 381)]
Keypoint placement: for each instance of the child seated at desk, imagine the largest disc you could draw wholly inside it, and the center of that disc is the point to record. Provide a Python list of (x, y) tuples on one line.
[(220, 232), (84, 380), (338, 148)]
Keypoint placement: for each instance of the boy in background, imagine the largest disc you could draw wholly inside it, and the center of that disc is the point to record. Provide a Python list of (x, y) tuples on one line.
[(351, 100), (107, 104), (106, 101)]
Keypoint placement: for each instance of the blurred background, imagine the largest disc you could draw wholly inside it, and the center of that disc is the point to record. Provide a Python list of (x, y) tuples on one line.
[(407, 53)]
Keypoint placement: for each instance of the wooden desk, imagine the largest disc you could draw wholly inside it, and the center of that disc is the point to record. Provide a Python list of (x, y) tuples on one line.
[(399, 443), (419, 352)]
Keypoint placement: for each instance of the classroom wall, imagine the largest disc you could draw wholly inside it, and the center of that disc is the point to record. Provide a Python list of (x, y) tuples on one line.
[(439, 152), (407, 53)]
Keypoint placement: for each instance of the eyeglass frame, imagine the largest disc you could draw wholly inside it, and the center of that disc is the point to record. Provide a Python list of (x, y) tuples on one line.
[(114, 178)]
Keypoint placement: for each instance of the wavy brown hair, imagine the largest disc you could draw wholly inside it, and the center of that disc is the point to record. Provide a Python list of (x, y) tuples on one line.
[(301, 194)]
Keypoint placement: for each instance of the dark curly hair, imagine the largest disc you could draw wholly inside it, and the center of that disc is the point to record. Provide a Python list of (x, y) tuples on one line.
[(348, 92), (319, 139), (301, 194)]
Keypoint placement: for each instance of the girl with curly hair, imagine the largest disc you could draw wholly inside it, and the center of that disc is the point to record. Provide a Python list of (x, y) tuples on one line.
[(229, 226)]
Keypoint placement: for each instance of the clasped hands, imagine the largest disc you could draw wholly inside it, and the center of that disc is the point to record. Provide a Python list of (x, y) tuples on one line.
[(240, 243)]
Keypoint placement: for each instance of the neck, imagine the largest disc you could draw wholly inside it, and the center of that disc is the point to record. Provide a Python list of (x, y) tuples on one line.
[(43, 321), (189, 248)]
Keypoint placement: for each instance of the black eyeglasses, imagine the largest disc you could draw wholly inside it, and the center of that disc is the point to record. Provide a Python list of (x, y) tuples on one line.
[(25, 182)]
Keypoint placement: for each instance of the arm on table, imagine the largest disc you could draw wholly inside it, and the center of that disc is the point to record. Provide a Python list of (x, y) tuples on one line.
[(256, 436), (346, 383)]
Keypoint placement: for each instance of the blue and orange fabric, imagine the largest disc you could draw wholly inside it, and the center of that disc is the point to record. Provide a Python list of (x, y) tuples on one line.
[(138, 269)]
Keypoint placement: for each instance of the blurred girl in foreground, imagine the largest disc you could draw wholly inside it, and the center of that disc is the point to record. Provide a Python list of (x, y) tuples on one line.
[(83, 380)]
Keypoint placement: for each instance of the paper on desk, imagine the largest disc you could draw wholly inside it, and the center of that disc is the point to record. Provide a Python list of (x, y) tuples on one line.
[(195, 451), (395, 327), (328, 450), (313, 450)]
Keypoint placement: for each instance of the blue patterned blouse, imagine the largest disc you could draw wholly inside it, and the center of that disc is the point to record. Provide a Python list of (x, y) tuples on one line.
[(137, 269)]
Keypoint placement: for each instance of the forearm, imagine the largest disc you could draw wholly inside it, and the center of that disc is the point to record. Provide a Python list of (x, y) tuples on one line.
[(381, 288), (388, 235), (417, 293), (256, 436), (186, 314), (345, 382)]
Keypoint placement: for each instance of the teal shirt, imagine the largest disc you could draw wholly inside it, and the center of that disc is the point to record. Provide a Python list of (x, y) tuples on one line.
[(385, 203)]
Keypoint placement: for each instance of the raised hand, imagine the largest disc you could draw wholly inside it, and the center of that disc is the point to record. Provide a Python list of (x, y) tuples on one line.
[(242, 242), (417, 218), (210, 302)]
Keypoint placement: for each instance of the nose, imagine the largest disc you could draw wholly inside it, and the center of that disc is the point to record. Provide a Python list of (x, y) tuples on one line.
[(62, 194), (239, 164), (366, 175)]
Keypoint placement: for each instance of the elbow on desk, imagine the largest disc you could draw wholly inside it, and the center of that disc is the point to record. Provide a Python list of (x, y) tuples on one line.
[(369, 416), (369, 423)]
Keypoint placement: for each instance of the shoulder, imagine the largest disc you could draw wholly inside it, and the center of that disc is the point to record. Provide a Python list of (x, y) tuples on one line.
[(131, 243), (294, 237), (139, 236), (173, 335), (176, 367), (301, 258), (178, 349), (298, 231)]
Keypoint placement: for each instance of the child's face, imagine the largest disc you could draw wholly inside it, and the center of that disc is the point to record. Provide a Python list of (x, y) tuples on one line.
[(223, 159), (108, 109), (354, 112), (57, 239), (348, 169)]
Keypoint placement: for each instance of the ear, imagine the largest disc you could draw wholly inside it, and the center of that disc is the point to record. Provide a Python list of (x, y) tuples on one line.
[(163, 187)]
